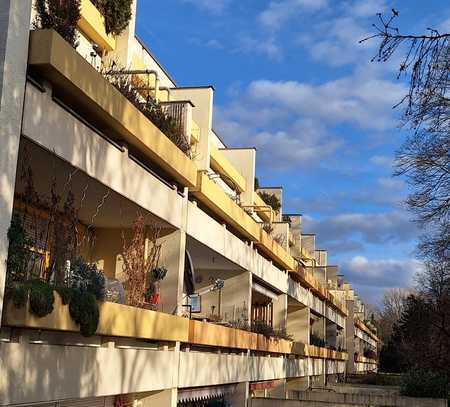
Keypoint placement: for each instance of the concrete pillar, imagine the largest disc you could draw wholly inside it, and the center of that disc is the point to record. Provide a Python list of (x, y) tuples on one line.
[(279, 391), (172, 257), (163, 398), (14, 34), (350, 336), (241, 396), (318, 327), (298, 324), (280, 312)]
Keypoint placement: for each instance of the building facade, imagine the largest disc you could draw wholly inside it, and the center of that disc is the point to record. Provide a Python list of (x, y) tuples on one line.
[(213, 294)]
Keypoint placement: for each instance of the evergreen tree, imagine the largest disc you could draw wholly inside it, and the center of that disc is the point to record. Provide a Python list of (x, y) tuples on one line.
[(60, 15)]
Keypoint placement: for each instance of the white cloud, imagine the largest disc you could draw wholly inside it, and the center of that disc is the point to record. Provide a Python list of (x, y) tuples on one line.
[(267, 47), (291, 120), (299, 145), (387, 273), (371, 278), (369, 228), (384, 161), (279, 12), (366, 8), (356, 99), (212, 6)]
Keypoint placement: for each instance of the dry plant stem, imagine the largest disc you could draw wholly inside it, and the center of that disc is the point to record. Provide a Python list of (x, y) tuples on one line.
[(138, 261)]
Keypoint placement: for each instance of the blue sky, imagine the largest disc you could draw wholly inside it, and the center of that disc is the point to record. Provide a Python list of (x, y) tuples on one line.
[(292, 80)]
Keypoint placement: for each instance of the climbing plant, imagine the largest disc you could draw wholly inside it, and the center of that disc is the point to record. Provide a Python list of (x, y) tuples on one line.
[(117, 14), (60, 15)]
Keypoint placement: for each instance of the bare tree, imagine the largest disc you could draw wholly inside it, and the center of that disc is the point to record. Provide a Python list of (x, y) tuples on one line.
[(393, 306), (424, 158)]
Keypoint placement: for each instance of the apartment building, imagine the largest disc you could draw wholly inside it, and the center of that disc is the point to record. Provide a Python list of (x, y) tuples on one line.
[(212, 293)]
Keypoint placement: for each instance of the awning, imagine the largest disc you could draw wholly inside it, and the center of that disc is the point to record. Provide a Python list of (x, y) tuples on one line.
[(268, 384), (204, 393), (264, 291)]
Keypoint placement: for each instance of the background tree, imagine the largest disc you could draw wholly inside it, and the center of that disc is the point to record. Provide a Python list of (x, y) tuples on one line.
[(421, 338), (393, 305), (424, 158)]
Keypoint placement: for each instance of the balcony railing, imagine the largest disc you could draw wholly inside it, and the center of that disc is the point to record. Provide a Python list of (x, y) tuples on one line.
[(181, 113), (70, 73), (117, 320)]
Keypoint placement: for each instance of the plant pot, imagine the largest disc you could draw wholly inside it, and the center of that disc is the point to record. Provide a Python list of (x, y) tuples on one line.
[(154, 299)]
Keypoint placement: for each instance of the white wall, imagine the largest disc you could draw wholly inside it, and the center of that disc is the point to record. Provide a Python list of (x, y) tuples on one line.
[(14, 33), (32, 372), (55, 129)]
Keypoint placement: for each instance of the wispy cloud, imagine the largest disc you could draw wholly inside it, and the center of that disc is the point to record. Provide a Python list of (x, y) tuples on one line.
[(211, 6), (279, 12), (384, 161), (267, 47)]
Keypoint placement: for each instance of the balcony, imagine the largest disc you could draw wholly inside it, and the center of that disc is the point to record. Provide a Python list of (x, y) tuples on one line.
[(363, 359), (214, 197), (303, 276), (263, 210), (318, 352), (115, 320), (361, 325), (275, 252), (70, 74), (203, 333), (221, 165), (92, 24)]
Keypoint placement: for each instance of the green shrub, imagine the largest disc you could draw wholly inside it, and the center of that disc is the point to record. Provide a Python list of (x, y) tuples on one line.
[(62, 16), (65, 293), (271, 200), (262, 327), (84, 311), (18, 253), (87, 278), (424, 383), (19, 295), (41, 298), (316, 340), (117, 14)]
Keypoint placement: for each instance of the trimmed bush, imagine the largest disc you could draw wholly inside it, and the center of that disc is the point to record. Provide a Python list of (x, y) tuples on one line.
[(41, 298), (87, 278), (84, 311), (65, 293), (424, 383), (19, 295)]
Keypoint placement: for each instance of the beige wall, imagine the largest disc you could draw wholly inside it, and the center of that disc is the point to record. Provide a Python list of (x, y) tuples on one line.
[(244, 159), (280, 312), (298, 323), (202, 98), (233, 301), (14, 23)]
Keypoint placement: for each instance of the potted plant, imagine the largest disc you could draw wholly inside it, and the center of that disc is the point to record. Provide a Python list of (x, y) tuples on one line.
[(152, 294)]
